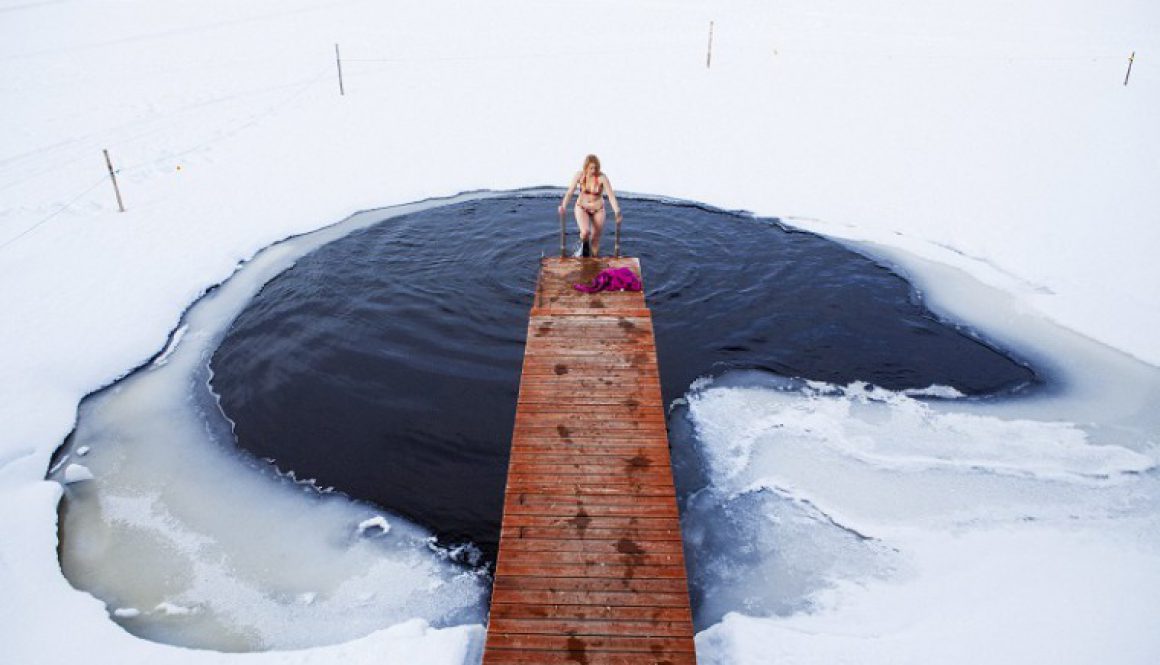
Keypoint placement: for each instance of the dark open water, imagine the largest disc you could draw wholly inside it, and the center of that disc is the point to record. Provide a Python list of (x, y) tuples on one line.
[(386, 364)]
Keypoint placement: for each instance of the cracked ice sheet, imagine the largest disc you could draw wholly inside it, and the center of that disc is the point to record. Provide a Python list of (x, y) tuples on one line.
[(875, 528), (190, 542)]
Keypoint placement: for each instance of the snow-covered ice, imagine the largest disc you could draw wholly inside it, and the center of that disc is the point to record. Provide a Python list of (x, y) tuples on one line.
[(76, 473), (162, 526), (991, 138), (377, 525), (853, 524)]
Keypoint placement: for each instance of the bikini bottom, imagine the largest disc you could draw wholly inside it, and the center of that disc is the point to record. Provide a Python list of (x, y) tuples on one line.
[(591, 211)]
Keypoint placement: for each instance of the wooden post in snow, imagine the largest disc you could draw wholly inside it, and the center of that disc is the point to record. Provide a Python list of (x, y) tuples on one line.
[(1130, 59), (113, 177), (709, 56), (338, 61)]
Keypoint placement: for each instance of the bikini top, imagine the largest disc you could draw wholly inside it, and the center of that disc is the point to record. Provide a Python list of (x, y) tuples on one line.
[(594, 191)]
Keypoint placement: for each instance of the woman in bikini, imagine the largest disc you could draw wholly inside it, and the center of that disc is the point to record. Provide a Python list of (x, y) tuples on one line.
[(590, 203)]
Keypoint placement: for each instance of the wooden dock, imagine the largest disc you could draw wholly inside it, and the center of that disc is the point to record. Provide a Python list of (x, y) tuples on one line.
[(590, 566)]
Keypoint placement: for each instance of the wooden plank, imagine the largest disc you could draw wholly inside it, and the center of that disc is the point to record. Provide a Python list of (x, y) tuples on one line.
[(594, 473), (593, 599), (562, 311), (561, 455), (590, 430), (588, 448), (587, 391), (608, 570), (628, 331), (625, 380), (594, 448), (594, 368), (583, 521), (590, 627), (652, 645), (587, 425), (581, 488), (589, 346), (633, 473), (625, 375), (618, 558), (582, 485), (578, 388), (632, 588), (567, 474), (570, 385), (574, 441), (548, 391), (624, 383), (530, 498), (591, 567), (558, 452), (565, 398), (499, 656), (628, 324), (595, 421), (563, 437), (569, 353), (568, 334), (600, 510), (590, 545), (544, 316), (598, 429), (563, 462), (566, 533), (613, 416), (643, 355), (591, 420)]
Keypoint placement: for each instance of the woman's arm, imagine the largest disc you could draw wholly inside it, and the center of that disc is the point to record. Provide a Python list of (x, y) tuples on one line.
[(612, 198), (568, 194)]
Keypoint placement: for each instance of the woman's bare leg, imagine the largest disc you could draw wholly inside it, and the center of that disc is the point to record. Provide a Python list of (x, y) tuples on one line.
[(584, 221), (597, 229)]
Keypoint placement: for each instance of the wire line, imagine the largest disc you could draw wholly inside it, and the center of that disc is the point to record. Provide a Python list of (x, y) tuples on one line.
[(54, 214)]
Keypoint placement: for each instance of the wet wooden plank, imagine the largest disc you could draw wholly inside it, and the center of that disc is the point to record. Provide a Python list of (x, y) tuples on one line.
[(591, 567)]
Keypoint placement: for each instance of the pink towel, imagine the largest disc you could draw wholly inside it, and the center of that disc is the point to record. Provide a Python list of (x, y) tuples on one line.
[(612, 279)]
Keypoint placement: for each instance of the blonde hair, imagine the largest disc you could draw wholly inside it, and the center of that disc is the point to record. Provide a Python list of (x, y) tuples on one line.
[(591, 159)]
